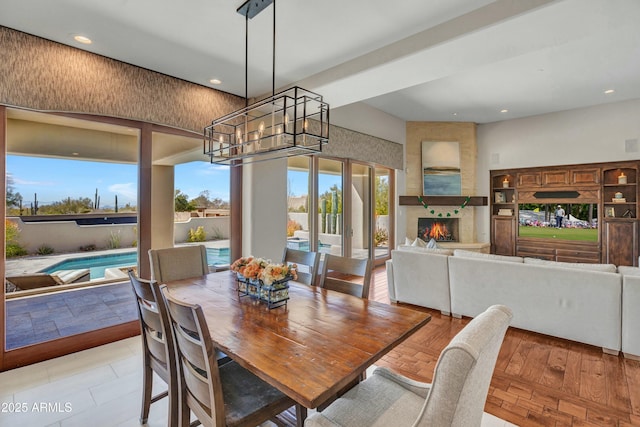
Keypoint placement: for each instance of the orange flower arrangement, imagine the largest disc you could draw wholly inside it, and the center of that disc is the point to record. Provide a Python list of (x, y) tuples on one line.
[(258, 268), (239, 265)]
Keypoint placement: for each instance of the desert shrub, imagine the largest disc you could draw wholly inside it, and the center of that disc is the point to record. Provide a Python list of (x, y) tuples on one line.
[(114, 240), (135, 237), (87, 248), (292, 226), (197, 235), (44, 249), (14, 250), (11, 231), (380, 236), (216, 234)]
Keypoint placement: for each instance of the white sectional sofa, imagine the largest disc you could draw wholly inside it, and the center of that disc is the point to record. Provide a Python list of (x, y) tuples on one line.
[(579, 302), (630, 311)]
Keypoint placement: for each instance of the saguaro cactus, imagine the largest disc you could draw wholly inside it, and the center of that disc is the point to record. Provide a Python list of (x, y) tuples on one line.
[(334, 212), (323, 215), (34, 205)]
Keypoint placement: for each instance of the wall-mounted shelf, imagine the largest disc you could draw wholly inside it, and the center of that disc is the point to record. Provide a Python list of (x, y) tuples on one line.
[(443, 200)]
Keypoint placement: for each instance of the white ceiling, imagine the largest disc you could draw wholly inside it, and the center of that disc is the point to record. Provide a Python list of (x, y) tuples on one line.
[(437, 60)]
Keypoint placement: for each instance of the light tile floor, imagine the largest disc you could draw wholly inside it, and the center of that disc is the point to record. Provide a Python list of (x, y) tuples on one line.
[(99, 387)]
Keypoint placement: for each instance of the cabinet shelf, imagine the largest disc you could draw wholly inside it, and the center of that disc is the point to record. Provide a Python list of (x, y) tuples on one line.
[(595, 184)]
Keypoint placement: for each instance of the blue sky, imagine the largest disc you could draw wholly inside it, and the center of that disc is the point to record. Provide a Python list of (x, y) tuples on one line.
[(56, 179)]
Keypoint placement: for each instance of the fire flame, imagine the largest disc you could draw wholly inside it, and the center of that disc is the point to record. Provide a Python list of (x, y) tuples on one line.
[(438, 231)]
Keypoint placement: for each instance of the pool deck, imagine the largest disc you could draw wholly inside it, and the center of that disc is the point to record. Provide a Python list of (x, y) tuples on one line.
[(43, 317)]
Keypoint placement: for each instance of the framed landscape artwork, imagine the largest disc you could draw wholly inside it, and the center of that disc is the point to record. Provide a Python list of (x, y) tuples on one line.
[(441, 168)]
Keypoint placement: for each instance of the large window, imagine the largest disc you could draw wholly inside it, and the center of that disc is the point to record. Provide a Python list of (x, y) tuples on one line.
[(71, 221), (331, 224), (360, 231), (298, 203), (382, 213), (353, 205)]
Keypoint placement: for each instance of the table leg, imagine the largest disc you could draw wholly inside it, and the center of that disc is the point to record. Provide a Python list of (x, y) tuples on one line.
[(301, 415)]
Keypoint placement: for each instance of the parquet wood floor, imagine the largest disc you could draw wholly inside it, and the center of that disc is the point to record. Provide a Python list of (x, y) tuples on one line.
[(538, 380)]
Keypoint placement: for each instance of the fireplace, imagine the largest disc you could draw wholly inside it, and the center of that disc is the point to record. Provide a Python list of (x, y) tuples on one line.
[(440, 229)]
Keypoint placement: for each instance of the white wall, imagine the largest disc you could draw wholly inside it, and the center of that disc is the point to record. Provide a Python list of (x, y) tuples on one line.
[(67, 236), (586, 135), (264, 199)]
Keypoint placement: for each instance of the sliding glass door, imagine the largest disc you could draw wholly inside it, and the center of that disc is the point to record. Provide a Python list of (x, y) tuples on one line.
[(340, 207)]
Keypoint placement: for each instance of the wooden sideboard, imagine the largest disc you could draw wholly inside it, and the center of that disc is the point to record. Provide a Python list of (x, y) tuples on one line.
[(612, 188)]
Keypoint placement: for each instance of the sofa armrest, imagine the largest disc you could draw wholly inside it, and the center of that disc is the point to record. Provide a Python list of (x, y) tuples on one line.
[(390, 284)]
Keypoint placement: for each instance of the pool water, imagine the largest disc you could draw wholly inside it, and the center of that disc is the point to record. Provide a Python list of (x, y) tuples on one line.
[(97, 264)]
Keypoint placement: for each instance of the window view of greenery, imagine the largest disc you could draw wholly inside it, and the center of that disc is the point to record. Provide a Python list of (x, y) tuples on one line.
[(381, 233), (575, 221)]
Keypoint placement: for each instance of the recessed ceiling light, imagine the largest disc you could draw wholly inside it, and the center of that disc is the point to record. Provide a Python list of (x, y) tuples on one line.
[(608, 91), (82, 39), (75, 154), (455, 114), (215, 81), (504, 111)]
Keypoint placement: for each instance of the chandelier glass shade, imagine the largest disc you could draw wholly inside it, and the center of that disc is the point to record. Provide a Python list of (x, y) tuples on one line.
[(289, 123)]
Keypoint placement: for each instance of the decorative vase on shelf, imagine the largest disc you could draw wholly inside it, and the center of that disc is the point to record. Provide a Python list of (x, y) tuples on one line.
[(622, 179)]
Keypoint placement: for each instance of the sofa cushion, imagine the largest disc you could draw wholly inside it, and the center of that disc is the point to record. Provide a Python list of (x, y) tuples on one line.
[(419, 242), (472, 254), (425, 250), (607, 268), (420, 277), (629, 271), (432, 244)]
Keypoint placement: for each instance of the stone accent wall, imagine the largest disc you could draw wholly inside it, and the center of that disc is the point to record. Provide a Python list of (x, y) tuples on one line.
[(465, 135)]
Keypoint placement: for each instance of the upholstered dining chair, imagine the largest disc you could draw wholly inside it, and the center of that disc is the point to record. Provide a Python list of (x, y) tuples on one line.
[(338, 273), (178, 263), (456, 397), (158, 350), (309, 260), (226, 395)]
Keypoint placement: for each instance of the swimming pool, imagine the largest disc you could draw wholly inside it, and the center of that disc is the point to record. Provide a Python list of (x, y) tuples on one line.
[(97, 264)]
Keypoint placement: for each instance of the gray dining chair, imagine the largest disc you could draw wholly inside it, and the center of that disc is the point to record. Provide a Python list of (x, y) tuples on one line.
[(218, 395), (309, 260), (178, 263), (158, 353), (455, 398), (347, 275)]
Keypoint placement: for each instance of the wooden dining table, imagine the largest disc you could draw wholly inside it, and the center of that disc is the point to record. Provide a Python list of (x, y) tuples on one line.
[(310, 348)]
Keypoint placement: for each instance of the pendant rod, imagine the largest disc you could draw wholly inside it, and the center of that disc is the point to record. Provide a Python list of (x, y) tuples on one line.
[(246, 60), (273, 59)]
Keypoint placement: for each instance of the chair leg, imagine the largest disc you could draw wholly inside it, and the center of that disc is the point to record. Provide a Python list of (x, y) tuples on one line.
[(147, 382), (174, 405), (185, 414)]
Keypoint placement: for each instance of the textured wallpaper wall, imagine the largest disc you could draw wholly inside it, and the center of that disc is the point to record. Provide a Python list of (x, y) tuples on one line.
[(48, 76)]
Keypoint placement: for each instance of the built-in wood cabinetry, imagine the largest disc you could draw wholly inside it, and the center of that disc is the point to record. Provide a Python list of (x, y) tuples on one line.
[(611, 187)]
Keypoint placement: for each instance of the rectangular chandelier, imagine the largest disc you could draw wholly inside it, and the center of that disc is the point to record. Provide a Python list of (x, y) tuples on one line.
[(290, 123)]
